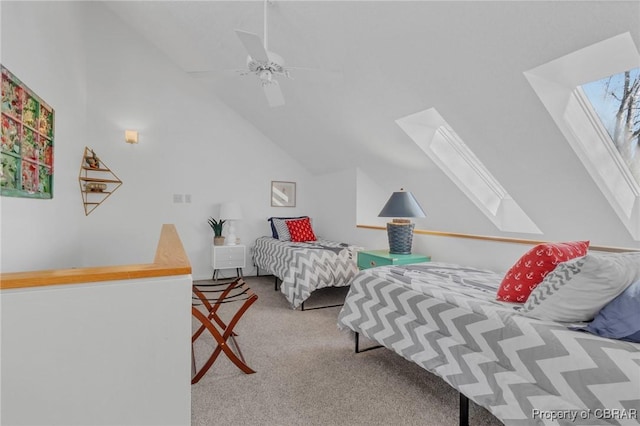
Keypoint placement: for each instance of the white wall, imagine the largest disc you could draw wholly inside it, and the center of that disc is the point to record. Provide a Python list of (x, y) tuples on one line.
[(102, 78), (42, 44), (109, 353), (357, 198), (189, 144)]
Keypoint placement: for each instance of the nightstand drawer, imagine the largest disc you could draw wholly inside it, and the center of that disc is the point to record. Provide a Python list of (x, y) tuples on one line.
[(373, 258), (236, 254), (229, 263), (368, 260), (223, 257)]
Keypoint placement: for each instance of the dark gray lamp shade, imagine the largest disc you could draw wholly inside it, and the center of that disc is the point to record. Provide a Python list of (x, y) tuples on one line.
[(402, 204), (400, 232)]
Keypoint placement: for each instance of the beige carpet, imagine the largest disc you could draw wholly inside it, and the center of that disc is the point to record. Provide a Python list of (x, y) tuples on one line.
[(308, 374)]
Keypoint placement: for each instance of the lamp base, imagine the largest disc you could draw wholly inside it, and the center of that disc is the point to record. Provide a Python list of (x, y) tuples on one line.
[(231, 239), (400, 236)]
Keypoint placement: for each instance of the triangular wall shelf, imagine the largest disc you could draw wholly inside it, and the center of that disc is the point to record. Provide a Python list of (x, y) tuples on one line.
[(97, 181)]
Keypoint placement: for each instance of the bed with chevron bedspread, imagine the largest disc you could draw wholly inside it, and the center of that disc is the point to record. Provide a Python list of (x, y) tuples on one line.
[(306, 267), (524, 370)]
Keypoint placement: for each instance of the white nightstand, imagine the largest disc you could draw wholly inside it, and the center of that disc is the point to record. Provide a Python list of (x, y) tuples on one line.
[(228, 257)]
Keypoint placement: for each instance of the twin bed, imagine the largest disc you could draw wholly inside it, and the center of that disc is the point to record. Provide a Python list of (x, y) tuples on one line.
[(525, 371), (514, 359), (303, 267)]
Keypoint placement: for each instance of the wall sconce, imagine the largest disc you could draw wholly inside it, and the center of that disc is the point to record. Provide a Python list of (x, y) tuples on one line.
[(131, 136)]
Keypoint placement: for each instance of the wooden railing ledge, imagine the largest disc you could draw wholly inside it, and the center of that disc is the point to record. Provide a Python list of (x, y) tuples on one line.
[(170, 259), (497, 239)]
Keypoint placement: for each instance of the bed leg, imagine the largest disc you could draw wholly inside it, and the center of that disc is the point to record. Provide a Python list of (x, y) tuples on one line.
[(357, 340), (275, 280), (464, 410)]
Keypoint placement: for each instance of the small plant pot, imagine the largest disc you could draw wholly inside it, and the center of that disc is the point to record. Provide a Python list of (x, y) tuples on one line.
[(218, 241)]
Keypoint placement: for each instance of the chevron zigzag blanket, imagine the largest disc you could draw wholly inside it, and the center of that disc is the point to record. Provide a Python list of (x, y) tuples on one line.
[(306, 267), (525, 371)]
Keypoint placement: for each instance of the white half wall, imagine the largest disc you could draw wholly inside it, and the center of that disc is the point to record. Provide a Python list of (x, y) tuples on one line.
[(110, 353)]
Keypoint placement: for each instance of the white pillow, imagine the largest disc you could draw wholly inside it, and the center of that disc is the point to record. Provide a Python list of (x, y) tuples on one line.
[(577, 289), (282, 229)]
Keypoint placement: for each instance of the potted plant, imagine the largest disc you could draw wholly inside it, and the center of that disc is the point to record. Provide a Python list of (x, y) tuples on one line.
[(216, 225)]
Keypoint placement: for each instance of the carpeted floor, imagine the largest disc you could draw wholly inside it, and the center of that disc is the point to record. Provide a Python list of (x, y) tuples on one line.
[(308, 373)]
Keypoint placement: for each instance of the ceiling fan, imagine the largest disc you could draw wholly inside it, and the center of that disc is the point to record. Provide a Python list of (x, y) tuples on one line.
[(263, 63)]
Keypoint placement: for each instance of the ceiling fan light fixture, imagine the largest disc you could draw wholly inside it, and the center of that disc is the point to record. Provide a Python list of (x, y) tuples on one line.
[(275, 64), (264, 64), (265, 76)]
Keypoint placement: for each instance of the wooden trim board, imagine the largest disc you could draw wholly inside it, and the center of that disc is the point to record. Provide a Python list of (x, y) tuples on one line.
[(496, 239), (170, 259)]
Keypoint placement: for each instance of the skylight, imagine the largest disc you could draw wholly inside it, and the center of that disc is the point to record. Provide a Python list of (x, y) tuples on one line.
[(616, 101), (449, 152), (560, 85)]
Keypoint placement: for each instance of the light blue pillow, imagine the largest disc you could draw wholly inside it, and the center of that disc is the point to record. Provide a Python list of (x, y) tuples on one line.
[(620, 318), (281, 229), (274, 231)]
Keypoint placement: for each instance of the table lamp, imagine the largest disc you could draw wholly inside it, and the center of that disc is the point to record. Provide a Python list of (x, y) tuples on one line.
[(231, 212), (401, 204)]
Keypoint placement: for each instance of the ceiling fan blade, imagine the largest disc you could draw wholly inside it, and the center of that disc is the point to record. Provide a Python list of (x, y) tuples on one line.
[(253, 44), (273, 93), (215, 73)]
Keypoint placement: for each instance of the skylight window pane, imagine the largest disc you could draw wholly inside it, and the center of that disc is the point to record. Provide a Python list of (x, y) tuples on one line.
[(447, 150), (616, 102), (560, 86), (459, 159)]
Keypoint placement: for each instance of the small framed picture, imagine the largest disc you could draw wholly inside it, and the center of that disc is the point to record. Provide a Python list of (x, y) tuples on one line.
[(283, 194)]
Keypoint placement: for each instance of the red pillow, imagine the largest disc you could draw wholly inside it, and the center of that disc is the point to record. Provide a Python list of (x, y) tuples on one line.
[(300, 230), (534, 265)]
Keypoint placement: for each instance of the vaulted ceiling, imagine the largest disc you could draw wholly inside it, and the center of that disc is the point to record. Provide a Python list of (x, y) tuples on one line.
[(368, 63), (372, 62)]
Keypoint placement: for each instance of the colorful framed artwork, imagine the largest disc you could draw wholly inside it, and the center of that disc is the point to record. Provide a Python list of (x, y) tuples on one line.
[(26, 146), (283, 194)]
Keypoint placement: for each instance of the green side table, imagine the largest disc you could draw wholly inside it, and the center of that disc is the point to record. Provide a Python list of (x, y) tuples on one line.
[(372, 258)]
